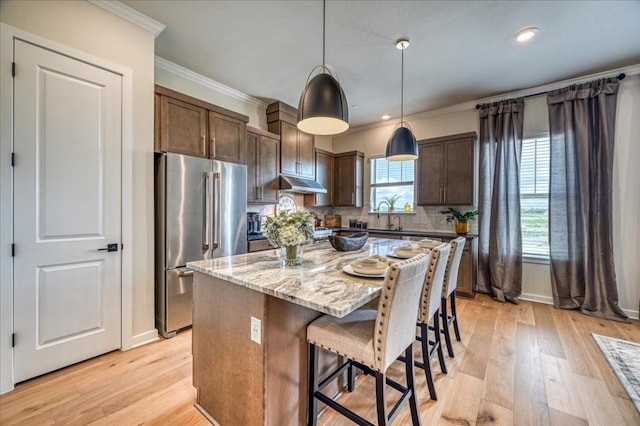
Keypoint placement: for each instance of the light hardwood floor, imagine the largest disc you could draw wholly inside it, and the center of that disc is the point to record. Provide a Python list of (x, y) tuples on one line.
[(528, 364)]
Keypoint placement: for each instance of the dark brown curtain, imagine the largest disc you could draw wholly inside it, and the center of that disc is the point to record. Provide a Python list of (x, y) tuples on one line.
[(582, 126), (500, 242)]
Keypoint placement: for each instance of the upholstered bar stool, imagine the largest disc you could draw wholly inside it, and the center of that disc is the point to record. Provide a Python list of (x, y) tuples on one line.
[(372, 340), (449, 291), (429, 311)]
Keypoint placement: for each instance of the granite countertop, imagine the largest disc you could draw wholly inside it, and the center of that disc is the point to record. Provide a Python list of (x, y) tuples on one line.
[(443, 234), (318, 283)]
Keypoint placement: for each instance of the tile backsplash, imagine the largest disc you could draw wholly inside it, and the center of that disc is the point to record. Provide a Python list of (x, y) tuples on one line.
[(423, 219)]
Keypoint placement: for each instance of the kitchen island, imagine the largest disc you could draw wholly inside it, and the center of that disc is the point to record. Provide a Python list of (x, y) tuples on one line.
[(250, 316)]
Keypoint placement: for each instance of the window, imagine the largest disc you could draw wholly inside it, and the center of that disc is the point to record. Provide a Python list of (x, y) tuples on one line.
[(389, 178), (534, 196)]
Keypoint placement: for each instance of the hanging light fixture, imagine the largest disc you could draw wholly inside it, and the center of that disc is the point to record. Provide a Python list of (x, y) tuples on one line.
[(323, 108), (402, 144)]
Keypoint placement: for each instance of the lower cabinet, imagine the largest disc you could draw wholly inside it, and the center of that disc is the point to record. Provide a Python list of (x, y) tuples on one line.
[(466, 275), (258, 245)]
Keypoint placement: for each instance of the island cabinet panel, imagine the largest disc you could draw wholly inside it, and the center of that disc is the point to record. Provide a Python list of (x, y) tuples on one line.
[(183, 127), (445, 170), (297, 149), (190, 126), (240, 381), (324, 176), (263, 163), (349, 179), (227, 138)]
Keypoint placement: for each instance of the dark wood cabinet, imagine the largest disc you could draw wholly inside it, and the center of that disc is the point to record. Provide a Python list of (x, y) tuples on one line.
[(227, 138), (190, 126), (324, 176), (349, 179), (183, 127), (297, 149), (466, 271), (445, 170), (263, 153)]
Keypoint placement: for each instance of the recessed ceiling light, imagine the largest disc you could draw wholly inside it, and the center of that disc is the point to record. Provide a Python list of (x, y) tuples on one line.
[(526, 34), (385, 116)]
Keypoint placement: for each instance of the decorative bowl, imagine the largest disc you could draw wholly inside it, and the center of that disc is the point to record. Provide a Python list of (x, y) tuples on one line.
[(408, 250), (348, 241)]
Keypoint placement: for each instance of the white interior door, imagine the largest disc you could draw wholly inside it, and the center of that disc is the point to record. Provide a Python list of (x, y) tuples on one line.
[(67, 141)]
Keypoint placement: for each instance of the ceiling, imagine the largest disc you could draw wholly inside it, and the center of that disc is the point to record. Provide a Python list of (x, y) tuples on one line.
[(460, 50)]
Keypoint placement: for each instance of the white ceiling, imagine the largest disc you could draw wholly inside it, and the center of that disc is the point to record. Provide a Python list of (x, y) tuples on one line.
[(460, 50)]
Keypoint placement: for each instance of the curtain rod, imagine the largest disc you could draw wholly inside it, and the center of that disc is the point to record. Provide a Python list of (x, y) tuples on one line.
[(621, 76)]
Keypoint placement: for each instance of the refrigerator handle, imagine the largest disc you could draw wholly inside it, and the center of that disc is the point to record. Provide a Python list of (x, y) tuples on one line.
[(206, 228), (216, 210)]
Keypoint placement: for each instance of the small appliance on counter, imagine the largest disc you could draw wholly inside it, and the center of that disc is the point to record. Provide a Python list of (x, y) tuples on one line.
[(254, 227)]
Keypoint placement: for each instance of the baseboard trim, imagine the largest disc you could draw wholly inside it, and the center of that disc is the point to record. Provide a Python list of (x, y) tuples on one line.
[(142, 339), (632, 314), (537, 298)]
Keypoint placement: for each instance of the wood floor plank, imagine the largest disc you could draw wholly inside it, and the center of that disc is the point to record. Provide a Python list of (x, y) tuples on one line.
[(561, 392), (514, 380), (548, 338), (530, 399)]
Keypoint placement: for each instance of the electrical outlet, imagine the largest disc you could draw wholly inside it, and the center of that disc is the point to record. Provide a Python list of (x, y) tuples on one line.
[(256, 330)]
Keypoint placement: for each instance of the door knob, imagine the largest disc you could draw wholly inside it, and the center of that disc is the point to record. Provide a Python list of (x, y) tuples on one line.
[(110, 247)]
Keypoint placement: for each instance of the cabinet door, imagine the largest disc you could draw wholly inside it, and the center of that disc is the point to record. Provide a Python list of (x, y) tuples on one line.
[(156, 122), (252, 167), (458, 172), (227, 138), (344, 188), (430, 174), (288, 148), (324, 176), (306, 155), (465, 274), (268, 169), (183, 127)]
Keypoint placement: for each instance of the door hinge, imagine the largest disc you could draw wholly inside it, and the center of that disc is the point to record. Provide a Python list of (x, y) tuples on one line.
[(13, 69), (13, 249), (13, 159), (13, 340)]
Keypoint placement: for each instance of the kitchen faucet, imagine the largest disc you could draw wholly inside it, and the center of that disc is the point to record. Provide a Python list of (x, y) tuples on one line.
[(399, 227), (389, 226)]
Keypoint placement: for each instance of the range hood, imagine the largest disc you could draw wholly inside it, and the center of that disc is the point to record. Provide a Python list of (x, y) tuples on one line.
[(301, 185)]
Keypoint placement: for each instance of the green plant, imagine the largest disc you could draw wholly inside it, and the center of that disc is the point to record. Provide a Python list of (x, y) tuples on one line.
[(392, 199), (290, 228), (455, 214)]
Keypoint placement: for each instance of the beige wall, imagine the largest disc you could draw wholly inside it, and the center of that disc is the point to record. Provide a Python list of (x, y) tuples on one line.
[(84, 27), (626, 196)]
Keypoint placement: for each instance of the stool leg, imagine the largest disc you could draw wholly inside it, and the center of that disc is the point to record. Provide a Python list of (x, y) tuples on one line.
[(445, 327), (312, 371), (454, 315), (437, 343), (424, 335), (380, 399), (351, 377), (413, 404)]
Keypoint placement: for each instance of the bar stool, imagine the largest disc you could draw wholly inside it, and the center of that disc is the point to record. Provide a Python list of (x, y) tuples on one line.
[(429, 310), (371, 341), (449, 291)]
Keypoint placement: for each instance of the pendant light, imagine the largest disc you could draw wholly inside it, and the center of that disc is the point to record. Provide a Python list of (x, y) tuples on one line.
[(323, 108), (402, 144)]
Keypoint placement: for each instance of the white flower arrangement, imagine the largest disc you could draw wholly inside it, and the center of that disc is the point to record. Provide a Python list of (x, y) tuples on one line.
[(290, 229)]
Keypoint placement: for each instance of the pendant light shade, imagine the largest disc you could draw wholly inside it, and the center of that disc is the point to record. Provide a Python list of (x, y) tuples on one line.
[(402, 144), (323, 108)]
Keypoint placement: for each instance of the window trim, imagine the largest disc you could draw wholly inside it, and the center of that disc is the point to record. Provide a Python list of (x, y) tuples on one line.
[(372, 207)]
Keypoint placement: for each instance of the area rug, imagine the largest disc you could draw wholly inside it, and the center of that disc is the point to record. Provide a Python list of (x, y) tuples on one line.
[(624, 358)]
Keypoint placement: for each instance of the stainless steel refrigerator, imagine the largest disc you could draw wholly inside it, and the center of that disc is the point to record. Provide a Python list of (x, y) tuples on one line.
[(201, 209)]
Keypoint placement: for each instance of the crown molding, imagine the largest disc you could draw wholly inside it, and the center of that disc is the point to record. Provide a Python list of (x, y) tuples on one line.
[(206, 82), (630, 70), (132, 15)]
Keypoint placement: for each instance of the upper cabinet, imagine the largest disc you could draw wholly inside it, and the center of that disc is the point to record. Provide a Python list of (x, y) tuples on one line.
[(190, 126), (297, 149), (263, 153), (324, 176), (349, 179), (445, 170)]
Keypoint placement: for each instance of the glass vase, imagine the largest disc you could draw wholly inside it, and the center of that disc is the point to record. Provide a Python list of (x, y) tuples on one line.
[(291, 255)]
